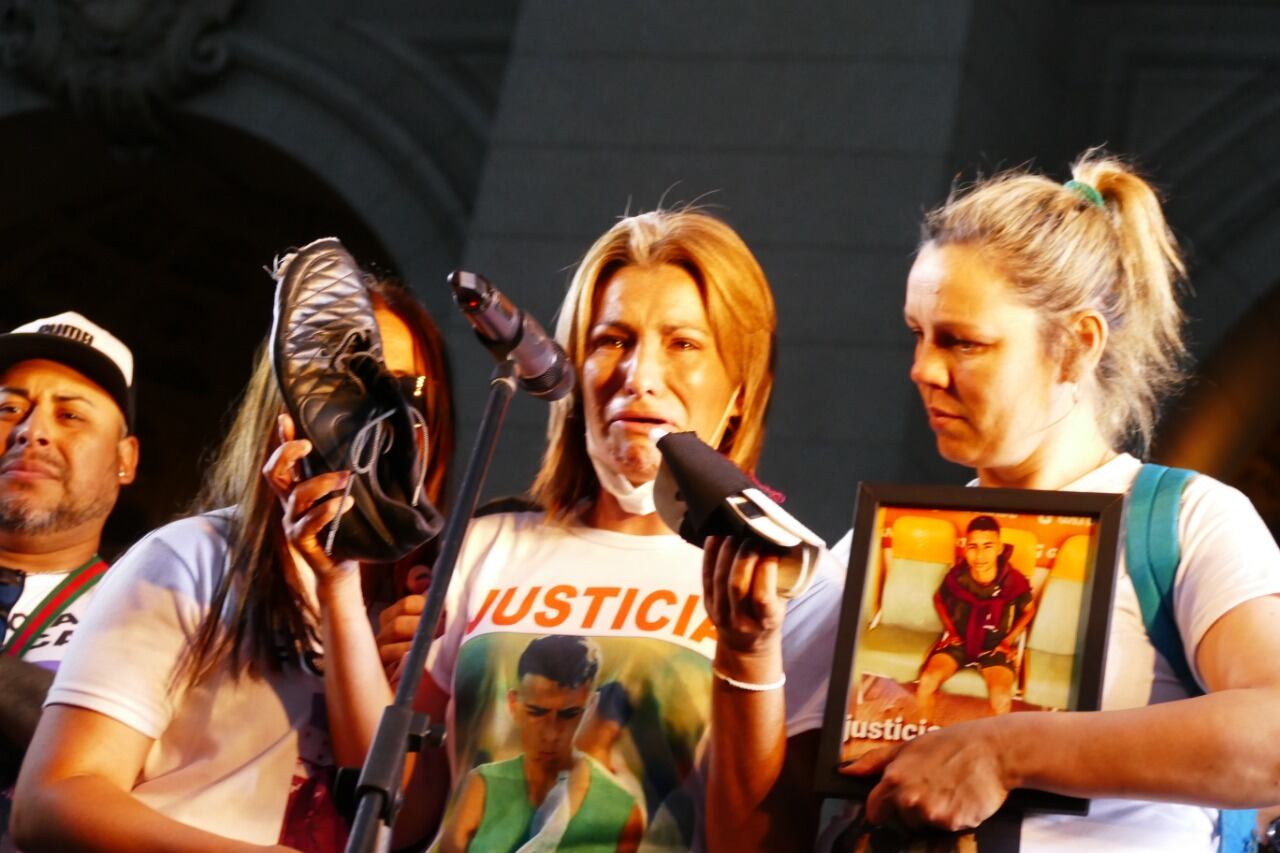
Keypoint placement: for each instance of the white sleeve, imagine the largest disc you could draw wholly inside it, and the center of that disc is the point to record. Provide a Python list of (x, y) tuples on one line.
[(480, 539), (808, 641), (144, 615), (1228, 557), (443, 655)]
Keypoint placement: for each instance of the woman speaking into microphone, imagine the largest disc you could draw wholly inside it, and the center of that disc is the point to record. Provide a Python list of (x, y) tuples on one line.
[(576, 661)]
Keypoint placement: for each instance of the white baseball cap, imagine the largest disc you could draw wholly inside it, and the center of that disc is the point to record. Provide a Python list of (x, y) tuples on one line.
[(72, 339)]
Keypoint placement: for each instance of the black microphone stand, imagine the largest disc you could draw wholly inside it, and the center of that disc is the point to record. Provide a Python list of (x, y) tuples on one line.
[(401, 729)]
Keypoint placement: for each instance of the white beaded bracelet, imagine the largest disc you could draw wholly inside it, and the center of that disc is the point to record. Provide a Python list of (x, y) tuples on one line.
[(749, 685)]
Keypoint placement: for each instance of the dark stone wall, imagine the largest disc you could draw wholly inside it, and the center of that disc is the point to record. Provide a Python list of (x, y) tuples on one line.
[(151, 199), (505, 136), (818, 131), (821, 131)]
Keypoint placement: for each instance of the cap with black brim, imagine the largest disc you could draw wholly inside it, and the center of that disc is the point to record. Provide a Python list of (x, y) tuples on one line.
[(63, 340)]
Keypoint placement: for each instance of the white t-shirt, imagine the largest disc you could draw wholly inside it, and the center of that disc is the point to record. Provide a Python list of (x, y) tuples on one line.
[(247, 759), (48, 648), (1227, 558), (639, 599)]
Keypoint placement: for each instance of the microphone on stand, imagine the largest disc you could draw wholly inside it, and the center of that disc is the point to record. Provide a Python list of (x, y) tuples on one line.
[(508, 333), (525, 354)]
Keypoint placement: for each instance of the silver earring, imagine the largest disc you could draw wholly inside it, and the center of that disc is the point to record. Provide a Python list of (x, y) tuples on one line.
[(120, 474)]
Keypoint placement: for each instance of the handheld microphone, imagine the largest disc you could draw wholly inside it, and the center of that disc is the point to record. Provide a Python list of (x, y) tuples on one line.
[(700, 493), (509, 333)]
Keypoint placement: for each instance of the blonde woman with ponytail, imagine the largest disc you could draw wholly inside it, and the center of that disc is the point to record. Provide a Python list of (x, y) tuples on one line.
[(1047, 333)]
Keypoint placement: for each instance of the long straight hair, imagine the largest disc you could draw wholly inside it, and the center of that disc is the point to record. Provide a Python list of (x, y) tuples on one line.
[(267, 624), (739, 308)]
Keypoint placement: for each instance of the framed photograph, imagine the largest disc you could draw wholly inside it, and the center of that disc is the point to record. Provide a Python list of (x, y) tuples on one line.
[(963, 603)]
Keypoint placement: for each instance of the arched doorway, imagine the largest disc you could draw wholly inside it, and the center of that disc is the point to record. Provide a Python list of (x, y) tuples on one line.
[(165, 246)]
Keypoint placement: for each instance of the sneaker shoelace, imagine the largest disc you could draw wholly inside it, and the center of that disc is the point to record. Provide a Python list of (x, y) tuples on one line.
[(370, 442), (374, 439)]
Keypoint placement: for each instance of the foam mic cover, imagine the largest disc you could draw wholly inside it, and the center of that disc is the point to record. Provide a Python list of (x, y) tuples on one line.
[(700, 493)]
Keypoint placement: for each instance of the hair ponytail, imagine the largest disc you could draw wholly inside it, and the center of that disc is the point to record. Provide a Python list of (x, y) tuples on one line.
[(1146, 351)]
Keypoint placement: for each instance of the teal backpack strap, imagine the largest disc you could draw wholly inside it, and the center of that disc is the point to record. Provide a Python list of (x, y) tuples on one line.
[(1238, 831), (1151, 554)]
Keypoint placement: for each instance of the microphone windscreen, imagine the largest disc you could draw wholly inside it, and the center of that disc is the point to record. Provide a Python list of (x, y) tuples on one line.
[(700, 493), (703, 479)]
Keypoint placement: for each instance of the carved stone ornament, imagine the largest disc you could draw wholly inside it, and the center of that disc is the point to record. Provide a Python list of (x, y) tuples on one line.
[(119, 62)]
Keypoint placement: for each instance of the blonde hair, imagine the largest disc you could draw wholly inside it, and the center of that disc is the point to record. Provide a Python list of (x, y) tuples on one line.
[(740, 311), (1065, 254)]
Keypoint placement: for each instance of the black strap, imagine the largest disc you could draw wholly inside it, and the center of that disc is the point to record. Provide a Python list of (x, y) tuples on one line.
[(11, 584)]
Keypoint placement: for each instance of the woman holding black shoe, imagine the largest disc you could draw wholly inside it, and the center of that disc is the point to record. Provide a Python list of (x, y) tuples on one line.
[(228, 665), (669, 323)]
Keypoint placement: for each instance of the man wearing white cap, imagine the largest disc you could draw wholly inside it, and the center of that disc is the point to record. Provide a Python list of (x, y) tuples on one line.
[(66, 411)]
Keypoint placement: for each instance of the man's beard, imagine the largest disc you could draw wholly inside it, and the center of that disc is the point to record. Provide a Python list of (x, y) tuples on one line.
[(21, 513)]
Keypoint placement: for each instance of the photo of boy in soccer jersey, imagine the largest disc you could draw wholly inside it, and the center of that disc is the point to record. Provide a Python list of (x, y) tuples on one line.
[(985, 605)]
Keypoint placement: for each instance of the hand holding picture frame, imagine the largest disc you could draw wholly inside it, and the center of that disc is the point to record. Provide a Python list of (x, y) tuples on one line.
[(963, 603)]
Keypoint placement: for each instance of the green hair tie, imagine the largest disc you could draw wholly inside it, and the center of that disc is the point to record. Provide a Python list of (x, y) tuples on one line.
[(1086, 192)]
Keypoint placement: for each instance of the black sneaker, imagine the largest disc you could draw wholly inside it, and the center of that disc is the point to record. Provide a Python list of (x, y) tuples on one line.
[(327, 357)]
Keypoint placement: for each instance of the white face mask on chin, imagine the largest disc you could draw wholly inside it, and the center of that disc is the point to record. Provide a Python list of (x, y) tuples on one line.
[(638, 500), (634, 500)]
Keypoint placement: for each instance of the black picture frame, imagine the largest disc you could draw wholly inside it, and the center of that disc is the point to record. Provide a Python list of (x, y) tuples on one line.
[(860, 668)]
